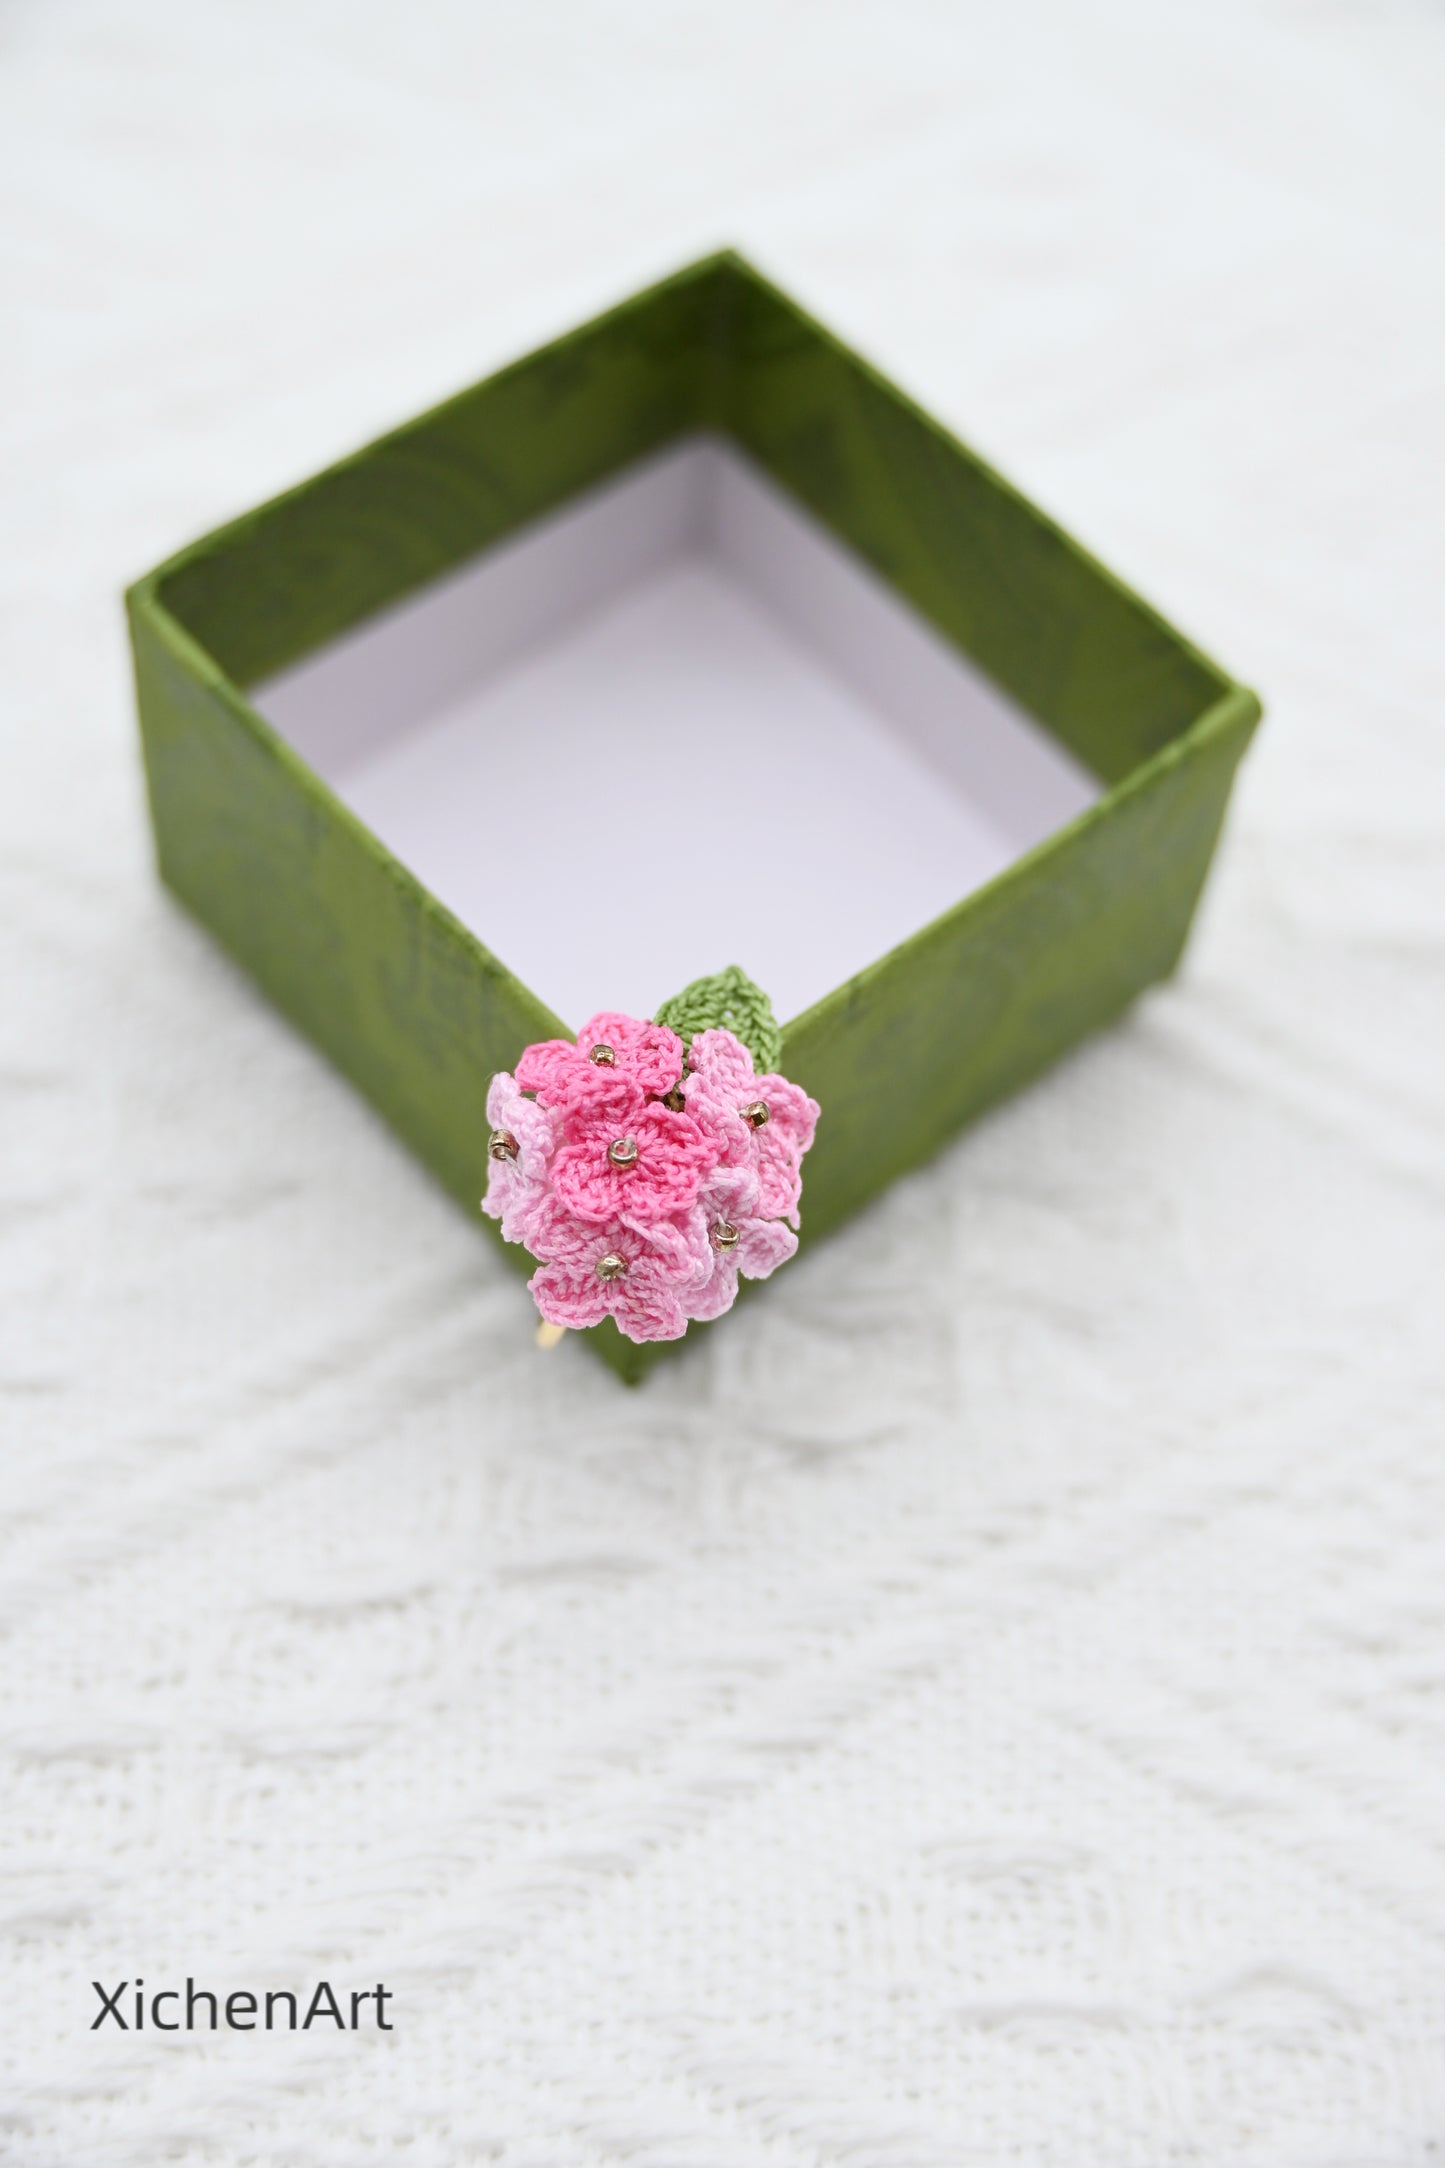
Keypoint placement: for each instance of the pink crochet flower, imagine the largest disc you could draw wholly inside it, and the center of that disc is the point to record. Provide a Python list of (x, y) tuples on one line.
[(628, 1158), (643, 1280), (729, 1207), (517, 1186), (649, 1054), (637, 1210), (782, 1141), (721, 1084), (763, 1245)]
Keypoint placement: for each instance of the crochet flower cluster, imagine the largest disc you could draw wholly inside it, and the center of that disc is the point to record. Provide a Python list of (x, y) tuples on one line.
[(643, 1176)]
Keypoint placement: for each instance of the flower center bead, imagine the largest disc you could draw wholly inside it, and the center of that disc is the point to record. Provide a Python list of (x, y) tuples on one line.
[(501, 1144), (610, 1267), (756, 1114), (725, 1235), (622, 1151), (603, 1055)]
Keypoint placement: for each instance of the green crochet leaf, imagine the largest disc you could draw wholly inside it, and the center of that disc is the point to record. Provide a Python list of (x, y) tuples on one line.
[(728, 1001)]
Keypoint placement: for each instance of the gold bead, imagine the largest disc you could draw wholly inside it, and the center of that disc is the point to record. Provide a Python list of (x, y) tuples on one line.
[(611, 1267), (725, 1235), (502, 1144), (756, 1114), (622, 1151), (603, 1055), (674, 1099)]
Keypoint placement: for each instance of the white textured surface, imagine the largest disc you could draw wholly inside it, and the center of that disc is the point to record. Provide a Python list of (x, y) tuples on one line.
[(988, 1703)]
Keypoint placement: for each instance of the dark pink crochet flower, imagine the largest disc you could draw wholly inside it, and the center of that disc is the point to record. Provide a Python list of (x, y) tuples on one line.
[(645, 1281), (625, 1157), (721, 1085), (648, 1054)]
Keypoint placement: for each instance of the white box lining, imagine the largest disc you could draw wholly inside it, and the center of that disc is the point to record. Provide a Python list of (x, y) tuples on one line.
[(673, 726)]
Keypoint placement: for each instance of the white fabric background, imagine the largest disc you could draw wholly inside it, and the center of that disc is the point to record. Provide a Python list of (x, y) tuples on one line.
[(987, 1704)]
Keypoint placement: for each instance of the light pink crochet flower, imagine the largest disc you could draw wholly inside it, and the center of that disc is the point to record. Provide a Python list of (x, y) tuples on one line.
[(645, 1281), (649, 1054), (722, 1082), (628, 1158), (517, 1186), (729, 1202)]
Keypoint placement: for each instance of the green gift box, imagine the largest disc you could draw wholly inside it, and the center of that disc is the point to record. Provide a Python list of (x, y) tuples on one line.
[(687, 640)]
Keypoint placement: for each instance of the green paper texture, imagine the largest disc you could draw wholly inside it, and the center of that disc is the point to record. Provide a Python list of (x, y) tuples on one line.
[(413, 1008)]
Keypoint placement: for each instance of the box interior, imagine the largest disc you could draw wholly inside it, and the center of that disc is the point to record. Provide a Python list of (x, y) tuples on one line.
[(672, 725)]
